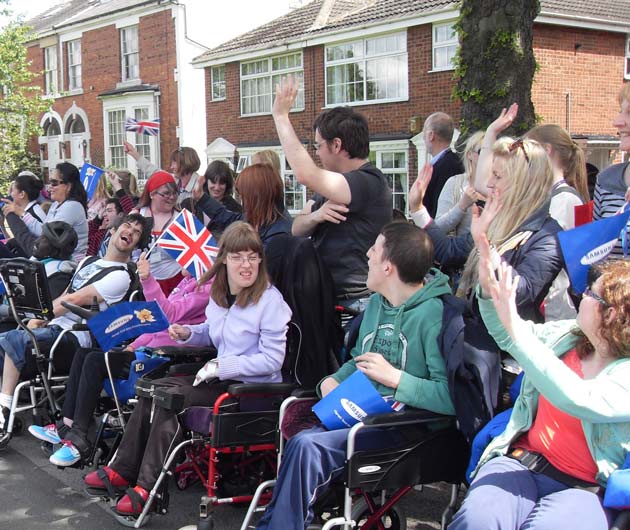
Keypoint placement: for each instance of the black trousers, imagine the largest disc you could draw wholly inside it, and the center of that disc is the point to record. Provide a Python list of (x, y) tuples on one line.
[(149, 437)]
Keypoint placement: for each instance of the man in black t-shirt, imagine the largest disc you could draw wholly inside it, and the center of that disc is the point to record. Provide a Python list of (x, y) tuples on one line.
[(352, 199)]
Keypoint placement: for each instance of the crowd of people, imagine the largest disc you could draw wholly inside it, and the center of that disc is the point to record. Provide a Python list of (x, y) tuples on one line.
[(483, 226)]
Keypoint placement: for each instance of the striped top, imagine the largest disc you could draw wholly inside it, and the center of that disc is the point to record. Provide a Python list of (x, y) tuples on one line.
[(610, 191)]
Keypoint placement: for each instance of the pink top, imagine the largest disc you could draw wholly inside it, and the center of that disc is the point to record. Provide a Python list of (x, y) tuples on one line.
[(559, 437), (185, 305)]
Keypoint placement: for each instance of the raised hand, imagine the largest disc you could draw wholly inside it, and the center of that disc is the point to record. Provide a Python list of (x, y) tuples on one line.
[(286, 92), (198, 190), (114, 180), (505, 119), (419, 188), (143, 266), (131, 150)]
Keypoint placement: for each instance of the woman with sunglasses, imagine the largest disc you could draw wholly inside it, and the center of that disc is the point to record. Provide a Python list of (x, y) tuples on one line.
[(69, 205), (159, 201), (570, 426), (246, 321)]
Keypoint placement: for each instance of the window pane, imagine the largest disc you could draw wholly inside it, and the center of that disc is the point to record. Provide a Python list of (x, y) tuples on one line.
[(116, 121)]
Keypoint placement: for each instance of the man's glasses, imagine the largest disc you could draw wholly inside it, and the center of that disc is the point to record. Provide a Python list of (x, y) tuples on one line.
[(594, 296), (515, 145), (166, 194), (241, 260), (55, 182)]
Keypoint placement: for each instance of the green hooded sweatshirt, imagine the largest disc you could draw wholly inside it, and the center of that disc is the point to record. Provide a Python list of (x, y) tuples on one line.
[(406, 336)]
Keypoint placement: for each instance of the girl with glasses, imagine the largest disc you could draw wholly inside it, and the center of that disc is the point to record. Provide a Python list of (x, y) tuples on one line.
[(246, 321)]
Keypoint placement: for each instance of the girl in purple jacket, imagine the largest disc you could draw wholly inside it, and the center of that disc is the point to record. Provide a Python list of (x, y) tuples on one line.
[(246, 321)]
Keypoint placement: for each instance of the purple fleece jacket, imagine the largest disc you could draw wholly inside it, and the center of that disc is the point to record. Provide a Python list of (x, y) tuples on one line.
[(250, 341)]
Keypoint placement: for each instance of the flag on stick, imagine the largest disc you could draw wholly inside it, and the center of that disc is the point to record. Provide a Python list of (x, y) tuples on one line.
[(150, 127), (90, 176)]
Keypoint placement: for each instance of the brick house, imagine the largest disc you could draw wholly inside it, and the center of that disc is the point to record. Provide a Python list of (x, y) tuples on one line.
[(406, 49), (102, 61)]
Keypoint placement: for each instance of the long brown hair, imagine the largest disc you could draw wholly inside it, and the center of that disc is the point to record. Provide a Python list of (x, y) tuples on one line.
[(570, 155), (260, 190), (238, 237)]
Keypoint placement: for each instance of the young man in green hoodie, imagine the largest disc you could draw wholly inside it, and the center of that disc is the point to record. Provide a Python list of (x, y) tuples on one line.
[(397, 350)]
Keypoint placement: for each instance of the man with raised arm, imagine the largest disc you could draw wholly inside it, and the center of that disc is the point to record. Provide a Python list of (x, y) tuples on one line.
[(352, 200)]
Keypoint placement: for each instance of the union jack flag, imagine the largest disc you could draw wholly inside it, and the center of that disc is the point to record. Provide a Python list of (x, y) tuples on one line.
[(189, 243), (150, 127)]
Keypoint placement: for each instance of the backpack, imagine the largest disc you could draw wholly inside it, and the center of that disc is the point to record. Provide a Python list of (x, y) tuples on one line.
[(473, 366)]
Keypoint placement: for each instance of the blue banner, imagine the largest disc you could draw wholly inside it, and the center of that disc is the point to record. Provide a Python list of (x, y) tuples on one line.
[(349, 403), (90, 176), (126, 320), (587, 244)]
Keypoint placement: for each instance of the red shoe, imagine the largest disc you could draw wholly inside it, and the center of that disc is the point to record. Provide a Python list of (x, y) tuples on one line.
[(105, 480), (133, 502)]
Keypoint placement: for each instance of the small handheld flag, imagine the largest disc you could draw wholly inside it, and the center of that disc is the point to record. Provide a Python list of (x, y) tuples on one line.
[(150, 127), (190, 243), (90, 176), (126, 320), (587, 244)]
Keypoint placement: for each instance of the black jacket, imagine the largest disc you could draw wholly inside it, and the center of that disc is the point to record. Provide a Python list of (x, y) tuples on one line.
[(448, 165)]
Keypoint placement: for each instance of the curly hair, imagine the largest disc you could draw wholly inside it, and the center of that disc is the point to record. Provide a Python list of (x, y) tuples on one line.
[(615, 290)]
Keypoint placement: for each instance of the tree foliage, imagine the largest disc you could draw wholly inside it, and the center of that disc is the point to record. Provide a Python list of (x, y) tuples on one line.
[(495, 64), (20, 102)]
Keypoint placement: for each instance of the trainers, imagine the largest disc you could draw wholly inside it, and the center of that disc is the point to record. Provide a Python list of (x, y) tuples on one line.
[(67, 455), (48, 433)]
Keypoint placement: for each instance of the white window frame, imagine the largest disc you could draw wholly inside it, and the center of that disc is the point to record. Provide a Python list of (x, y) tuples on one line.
[(450, 45), (125, 54), (273, 77), (129, 104), (365, 60), (391, 147), (217, 83), (626, 72), (74, 65), (51, 75), (244, 160)]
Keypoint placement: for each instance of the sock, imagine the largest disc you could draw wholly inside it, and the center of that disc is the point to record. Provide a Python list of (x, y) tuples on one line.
[(6, 400)]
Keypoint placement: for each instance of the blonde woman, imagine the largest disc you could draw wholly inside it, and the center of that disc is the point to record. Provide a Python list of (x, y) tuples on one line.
[(96, 205), (458, 194)]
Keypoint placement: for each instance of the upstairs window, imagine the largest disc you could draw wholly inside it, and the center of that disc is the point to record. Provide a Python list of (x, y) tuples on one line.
[(218, 82), (626, 74), (369, 70), (444, 46), (129, 53), (50, 69), (259, 79), (74, 64)]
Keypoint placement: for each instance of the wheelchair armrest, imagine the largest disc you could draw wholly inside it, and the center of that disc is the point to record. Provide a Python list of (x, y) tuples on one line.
[(78, 310), (186, 351), (303, 393), (80, 327), (239, 389), (185, 368), (404, 417)]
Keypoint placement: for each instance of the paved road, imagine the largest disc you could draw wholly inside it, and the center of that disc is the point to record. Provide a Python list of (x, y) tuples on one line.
[(35, 495)]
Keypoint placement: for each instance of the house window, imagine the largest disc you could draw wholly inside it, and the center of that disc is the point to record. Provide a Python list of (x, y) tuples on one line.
[(392, 161), (367, 70), (116, 137), (218, 82), (259, 79), (444, 46), (627, 66), (74, 64), (142, 141), (129, 53), (50, 69)]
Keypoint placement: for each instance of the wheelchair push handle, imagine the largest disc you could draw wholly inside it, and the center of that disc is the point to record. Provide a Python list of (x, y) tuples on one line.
[(82, 311)]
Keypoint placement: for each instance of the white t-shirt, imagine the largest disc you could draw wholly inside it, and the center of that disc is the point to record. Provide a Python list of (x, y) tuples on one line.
[(112, 287)]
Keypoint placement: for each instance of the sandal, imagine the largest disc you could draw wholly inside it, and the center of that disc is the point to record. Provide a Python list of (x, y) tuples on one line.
[(105, 482)]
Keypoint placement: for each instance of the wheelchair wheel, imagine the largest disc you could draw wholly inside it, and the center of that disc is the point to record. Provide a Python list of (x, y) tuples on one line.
[(393, 519)]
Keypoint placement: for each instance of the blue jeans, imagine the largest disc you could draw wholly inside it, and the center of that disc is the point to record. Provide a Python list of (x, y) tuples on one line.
[(17, 342), (505, 495), (311, 460)]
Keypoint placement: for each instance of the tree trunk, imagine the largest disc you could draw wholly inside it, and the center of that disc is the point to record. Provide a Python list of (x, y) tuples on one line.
[(496, 63)]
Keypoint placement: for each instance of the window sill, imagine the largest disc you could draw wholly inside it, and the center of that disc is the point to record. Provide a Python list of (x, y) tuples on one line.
[(129, 83), (253, 115), (362, 103), (435, 70), (213, 100), (75, 92)]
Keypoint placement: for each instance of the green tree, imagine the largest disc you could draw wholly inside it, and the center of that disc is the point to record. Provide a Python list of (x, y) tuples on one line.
[(20, 102), (495, 64)]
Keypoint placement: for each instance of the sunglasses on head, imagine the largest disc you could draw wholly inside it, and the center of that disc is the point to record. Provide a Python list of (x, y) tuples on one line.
[(55, 182)]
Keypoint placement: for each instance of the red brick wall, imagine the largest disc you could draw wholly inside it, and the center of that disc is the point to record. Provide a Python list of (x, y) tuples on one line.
[(100, 49), (592, 74), (428, 92)]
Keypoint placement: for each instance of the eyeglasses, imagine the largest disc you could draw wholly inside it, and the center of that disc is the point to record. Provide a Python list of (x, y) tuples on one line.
[(515, 145), (166, 194), (594, 296), (241, 260), (55, 182)]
